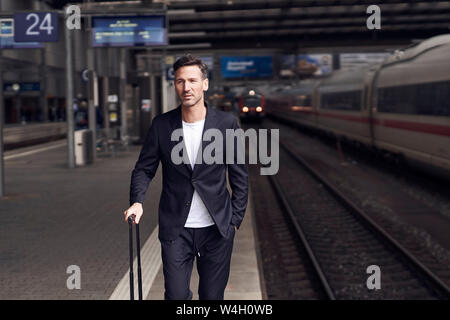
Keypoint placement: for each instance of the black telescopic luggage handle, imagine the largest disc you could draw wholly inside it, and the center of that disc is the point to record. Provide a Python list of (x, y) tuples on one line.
[(138, 248)]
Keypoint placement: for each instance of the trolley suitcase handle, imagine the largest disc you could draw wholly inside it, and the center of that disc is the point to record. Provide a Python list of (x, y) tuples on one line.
[(138, 249)]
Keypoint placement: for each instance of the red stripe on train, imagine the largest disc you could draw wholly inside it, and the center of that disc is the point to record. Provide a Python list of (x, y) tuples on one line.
[(436, 129)]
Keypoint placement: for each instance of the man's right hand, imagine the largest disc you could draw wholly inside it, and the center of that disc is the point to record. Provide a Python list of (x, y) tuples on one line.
[(136, 211)]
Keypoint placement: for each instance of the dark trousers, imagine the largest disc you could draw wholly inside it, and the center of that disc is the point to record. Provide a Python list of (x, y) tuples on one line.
[(213, 253)]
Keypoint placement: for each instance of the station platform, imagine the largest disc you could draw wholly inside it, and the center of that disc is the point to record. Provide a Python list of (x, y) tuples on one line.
[(54, 219)]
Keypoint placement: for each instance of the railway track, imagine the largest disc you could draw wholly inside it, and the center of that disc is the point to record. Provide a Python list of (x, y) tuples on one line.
[(287, 269), (342, 242)]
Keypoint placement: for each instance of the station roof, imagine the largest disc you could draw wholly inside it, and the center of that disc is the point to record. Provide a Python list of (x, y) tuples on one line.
[(291, 24)]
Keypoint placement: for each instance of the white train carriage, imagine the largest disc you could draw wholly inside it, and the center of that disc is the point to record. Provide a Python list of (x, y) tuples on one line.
[(401, 106), (411, 103), (340, 105), (295, 104)]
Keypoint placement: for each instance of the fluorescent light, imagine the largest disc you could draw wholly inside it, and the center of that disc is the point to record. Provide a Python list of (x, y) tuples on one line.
[(180, 11), (186, 34), (114, 3), (189, 46)]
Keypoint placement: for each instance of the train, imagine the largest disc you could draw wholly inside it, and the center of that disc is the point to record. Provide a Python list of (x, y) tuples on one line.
[(17, 136), (31, 133), (251, 105), (400, 107)]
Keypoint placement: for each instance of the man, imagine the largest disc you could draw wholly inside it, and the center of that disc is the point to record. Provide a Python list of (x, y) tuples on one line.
[(197, 218)]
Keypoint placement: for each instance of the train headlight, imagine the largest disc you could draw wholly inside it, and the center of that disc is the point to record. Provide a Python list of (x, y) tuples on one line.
[(245, 109), (258, 109)]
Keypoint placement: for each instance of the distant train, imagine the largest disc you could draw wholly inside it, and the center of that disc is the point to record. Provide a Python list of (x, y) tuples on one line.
[(400, 107), (25, 135), (251, 105), (28, 134)]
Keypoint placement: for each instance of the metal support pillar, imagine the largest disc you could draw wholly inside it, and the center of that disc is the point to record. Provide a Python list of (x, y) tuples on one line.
[(123, 98), (69, 100), (2, 120)]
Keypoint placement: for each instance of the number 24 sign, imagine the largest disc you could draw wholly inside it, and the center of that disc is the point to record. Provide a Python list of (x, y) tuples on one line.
[(36, 27)]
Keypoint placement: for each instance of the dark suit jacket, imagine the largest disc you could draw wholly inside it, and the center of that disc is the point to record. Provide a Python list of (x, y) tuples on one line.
[(179, 181)]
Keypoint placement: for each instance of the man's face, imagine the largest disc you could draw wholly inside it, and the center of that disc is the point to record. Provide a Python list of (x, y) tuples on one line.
[(189, 85)]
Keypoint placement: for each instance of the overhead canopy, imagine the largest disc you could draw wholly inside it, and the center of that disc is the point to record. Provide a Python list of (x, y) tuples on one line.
[(228, 24)]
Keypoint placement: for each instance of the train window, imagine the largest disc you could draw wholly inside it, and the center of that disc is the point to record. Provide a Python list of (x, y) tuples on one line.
[(424, 99), (303, 100), (252, 102), (350, 100), (366, 92)]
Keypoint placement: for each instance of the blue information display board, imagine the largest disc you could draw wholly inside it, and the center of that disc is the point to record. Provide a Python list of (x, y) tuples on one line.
[(7, 37), (30, 86), (129, 31), (36, 27), (21, 86), (240, 67), (6, 28)]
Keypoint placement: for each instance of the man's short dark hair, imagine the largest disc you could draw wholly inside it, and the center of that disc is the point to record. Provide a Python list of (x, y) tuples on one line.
[(190, 60)]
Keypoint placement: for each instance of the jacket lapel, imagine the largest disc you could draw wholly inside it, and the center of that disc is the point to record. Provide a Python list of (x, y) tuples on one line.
[(176, 123)]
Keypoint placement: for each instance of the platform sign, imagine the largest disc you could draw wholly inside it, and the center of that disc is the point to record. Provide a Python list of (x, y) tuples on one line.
[(6, 28), (170, 73), (36, 27), (7, 37), (243, 66), (129, 31)]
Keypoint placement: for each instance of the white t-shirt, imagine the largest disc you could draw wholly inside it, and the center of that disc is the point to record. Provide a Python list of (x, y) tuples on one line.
[(199, 216)]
